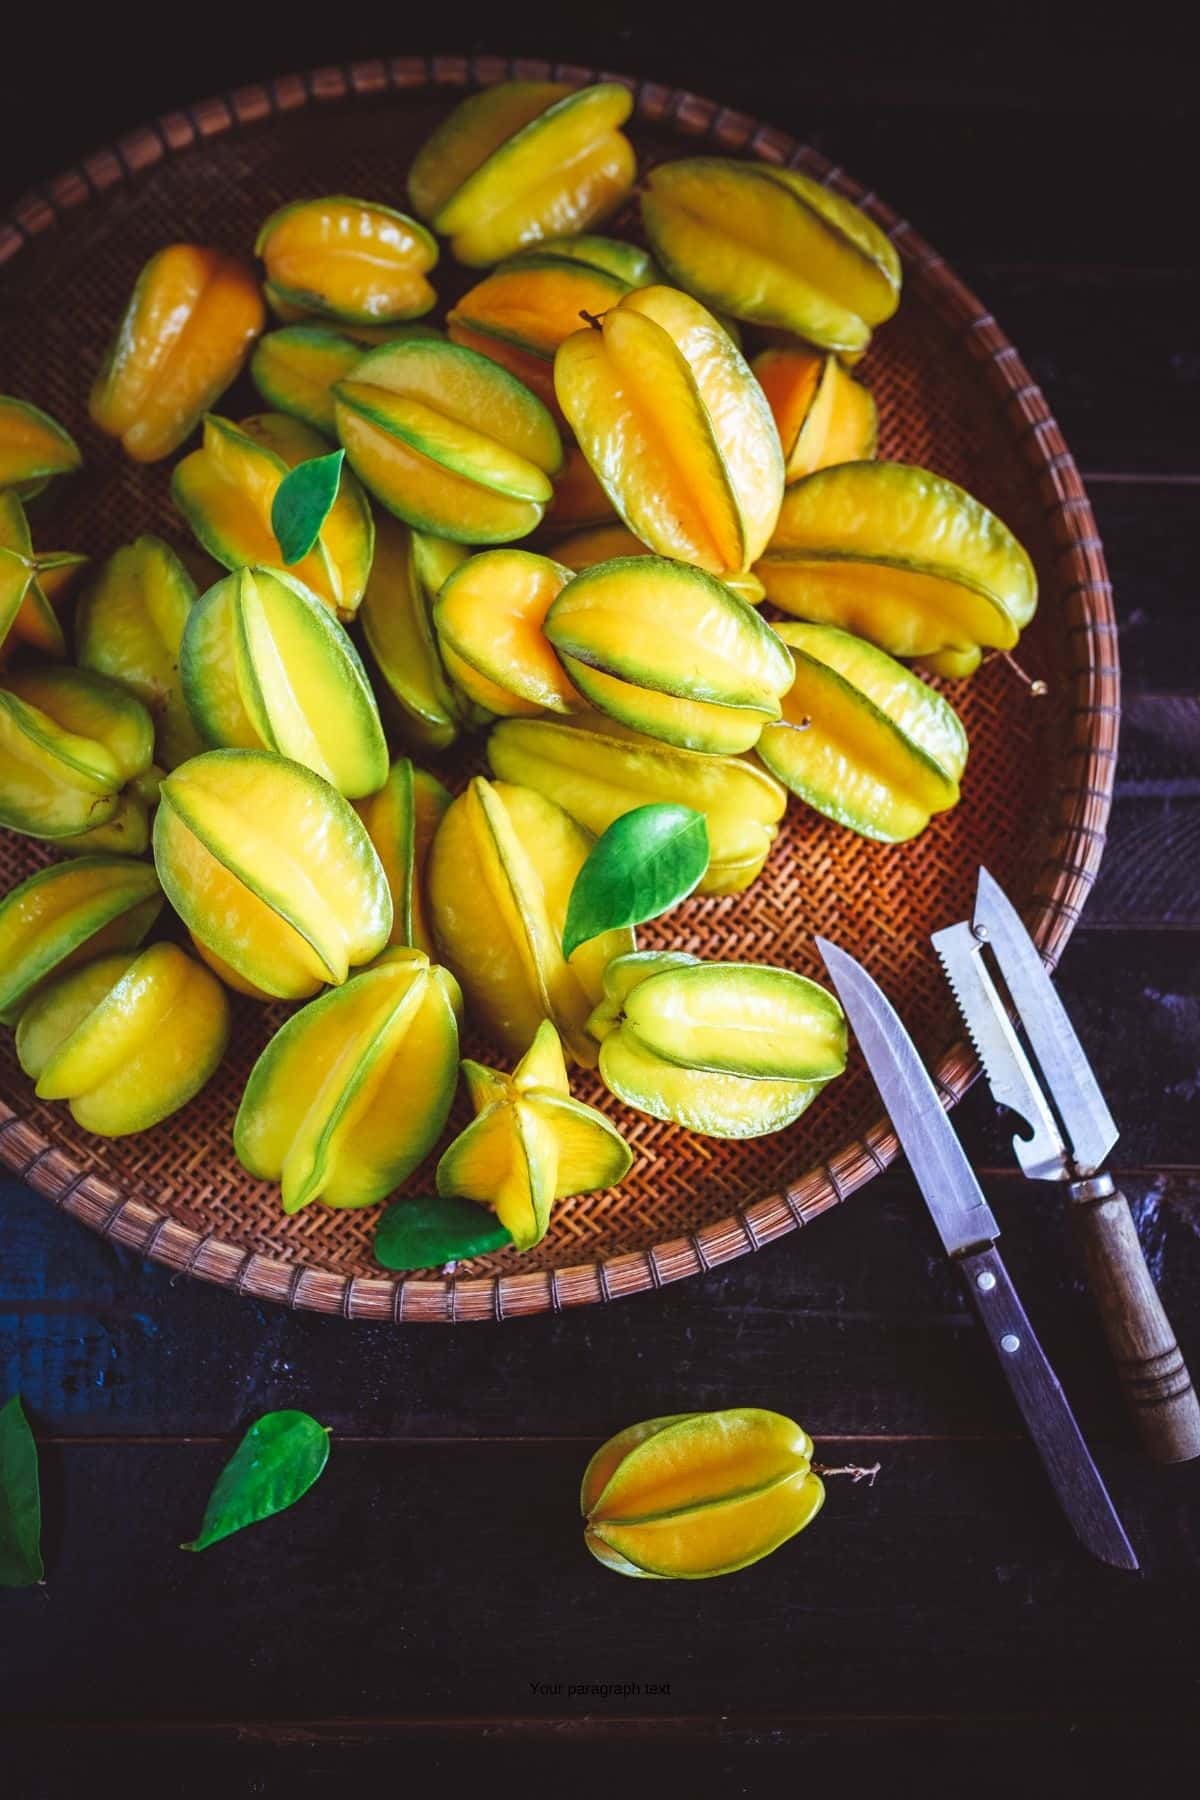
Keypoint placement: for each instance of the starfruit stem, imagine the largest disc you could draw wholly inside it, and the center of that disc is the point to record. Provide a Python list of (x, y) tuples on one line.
[(855, 1473), (1037, 688), (593, 319)]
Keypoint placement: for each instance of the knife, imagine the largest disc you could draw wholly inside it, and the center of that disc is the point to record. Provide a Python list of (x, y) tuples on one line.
[(1037, 1067), (969, 1231)]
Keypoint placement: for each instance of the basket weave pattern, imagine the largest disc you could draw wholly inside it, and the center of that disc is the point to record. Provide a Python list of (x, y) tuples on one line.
[(952, 394)]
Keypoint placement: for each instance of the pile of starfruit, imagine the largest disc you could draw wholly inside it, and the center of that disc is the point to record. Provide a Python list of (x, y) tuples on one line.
[(612, 523)]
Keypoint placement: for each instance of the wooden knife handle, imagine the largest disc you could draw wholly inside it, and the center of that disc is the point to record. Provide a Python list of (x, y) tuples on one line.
[(1153, 1373)]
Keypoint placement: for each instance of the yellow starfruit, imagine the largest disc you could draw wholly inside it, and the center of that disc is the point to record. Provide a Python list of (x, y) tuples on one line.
[(823, 415), (34, 448), (397, 620), (76, 760), (346, 259), (67, 914), (489, 617), (401, 820)]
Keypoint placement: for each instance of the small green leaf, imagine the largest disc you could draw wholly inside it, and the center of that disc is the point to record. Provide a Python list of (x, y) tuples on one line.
[(20, 1500), (276, 1462), (302, 504), (433, 1229), (645, 862)]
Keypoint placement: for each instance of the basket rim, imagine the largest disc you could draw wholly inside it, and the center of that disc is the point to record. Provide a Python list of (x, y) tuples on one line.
[(1084, 799)]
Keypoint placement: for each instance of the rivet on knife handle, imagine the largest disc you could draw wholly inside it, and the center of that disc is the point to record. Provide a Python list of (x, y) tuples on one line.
[(1150, 1364)]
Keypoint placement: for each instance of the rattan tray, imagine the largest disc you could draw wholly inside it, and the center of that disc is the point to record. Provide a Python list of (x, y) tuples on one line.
[(953, 394)]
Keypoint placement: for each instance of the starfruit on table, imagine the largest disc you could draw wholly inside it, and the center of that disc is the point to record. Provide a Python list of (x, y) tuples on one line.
[(598, 771), (296, 368), (407, 575), (698, 1494), (34, 448), (521, 162), (225, 491), (607, 542), (27, 616), (863, 739), (67, 914), (354, 1090), (823, 415), (530, 1143), (347, 259), (675, 427), (772, 247), (671, 651), (449, 441), (129, 626), (401, 820), (731, 1050), (125, 1040), (489, 617), (76, 760), (187, 329), (271, 870), (266, 666), (903, 557), (503, 863)]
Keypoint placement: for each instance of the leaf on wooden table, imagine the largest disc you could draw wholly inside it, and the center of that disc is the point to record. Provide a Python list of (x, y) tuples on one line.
[(20, 1500), (276, 1462)]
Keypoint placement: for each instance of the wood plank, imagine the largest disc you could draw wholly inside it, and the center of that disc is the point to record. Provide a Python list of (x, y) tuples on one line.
[(1151, 534)]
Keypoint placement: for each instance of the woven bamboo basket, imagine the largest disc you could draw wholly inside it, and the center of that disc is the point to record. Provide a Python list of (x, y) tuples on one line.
[(953, 394)]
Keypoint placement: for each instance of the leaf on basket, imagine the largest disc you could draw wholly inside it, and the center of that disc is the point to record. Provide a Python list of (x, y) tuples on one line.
[(303, 501), (425, 1232), (276, 1463), (647, 861)]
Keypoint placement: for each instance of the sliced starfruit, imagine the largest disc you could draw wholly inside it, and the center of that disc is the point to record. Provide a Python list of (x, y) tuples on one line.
[(30, 584), (772, 247), (351, 260), (530, 1143), (604, 543), (296, 368), (190, 322), (125, 1040), (34, 448), (355, 1089), (129, 626), (731, 1050), (489, 617), (68, 914), (863, 739), (266, 666), (698, 1494), (449, 441), (271, 869), (597, 772), (503, 864), (401, 820), (73, 749), (225, 491), (675, 427), (902, 557), (397, 620), (824, 416), (670, 651), (522, 162)]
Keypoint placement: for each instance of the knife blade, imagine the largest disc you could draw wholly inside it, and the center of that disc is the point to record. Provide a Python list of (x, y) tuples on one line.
[(968, 1229)]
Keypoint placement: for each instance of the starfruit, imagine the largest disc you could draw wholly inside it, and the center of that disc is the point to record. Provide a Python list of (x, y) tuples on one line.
[(501, 870), (530, 1143), (676, 428), (449, 441), (902, 557), (731, 1050), (129, 626), (522, 162), (862, 739), (34, 448), (401, 820), (190, 322), (68, 914), (266, 666), (772, 247), (823, 415), (670, 651), (271, 869), (351, 260), (397, 620), (489, 617), (598, 771), (698, 1494), (76, 760), (604, 543), (125, 1040), (225, 491), (355, 1089), (579, 501), (30, 583), (296, 368)]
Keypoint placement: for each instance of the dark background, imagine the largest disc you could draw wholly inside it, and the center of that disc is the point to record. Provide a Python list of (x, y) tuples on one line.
[(942, 1627)]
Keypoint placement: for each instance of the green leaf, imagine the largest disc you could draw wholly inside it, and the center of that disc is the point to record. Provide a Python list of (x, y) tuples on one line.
[(276, 1462), (302, 504), (433, 1229), (20, 1500), (645, 862)]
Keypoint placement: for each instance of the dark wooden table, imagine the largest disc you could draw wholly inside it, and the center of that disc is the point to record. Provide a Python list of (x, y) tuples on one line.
[(428, 1608)]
